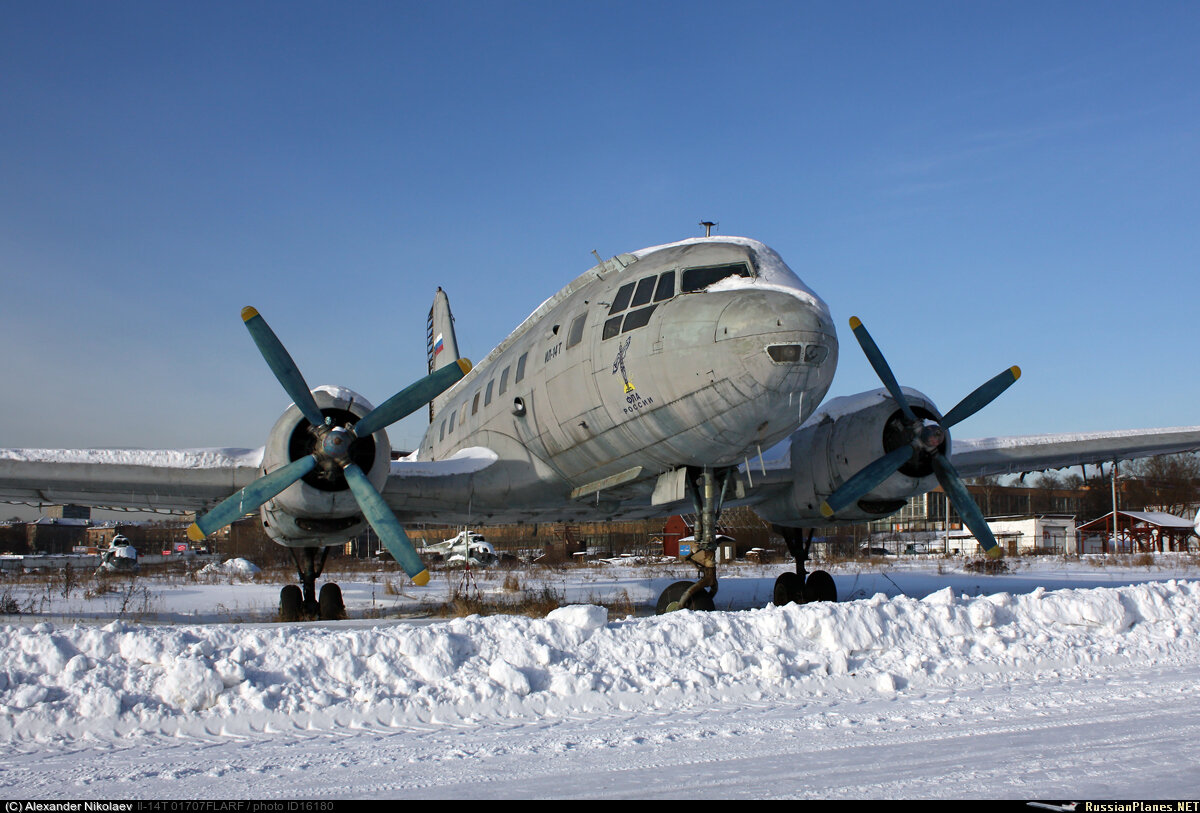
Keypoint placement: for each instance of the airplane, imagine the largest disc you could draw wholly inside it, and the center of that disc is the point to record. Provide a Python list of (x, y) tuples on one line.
[(683, 377), (467, 548)]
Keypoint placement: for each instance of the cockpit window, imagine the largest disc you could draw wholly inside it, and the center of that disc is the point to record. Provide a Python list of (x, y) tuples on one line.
[(666, 287), (645, 289), (638, 318), (621, 300), (697, 279)]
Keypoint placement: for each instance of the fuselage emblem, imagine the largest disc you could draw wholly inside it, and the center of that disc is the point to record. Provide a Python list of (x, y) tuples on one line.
[(619, 365)]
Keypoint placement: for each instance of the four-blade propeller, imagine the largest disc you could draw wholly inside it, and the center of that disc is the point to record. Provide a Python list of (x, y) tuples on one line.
[(331, 447), (925, 438)]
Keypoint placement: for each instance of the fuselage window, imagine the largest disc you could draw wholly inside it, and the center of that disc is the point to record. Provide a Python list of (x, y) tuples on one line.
[(612, 327), (487, 395), (621, 301), (521, 368), (442, 434), (475, 404), (638, 318), (576, 334), (645, 289), (666, 287), (503, 381), (696, 279), (451, 421)]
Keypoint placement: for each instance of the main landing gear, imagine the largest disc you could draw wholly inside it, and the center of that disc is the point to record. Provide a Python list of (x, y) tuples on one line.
[(707, 489), (795, 587), (296, 604)]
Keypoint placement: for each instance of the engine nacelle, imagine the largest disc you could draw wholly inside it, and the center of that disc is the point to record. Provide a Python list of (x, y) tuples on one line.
[(841, 438), (320, 509)]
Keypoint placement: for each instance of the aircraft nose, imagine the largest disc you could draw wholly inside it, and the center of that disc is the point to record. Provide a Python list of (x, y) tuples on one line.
[(781, 338)]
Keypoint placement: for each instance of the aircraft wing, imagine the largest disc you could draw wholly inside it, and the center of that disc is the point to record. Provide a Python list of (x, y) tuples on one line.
[(186, 479), (126, 479), (1021, 453)]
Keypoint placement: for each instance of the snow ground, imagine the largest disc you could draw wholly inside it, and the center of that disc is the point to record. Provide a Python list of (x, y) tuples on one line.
[(1063, 679)]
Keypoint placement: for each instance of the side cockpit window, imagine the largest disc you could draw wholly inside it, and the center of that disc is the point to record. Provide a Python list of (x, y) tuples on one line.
[(697, 279), (642, 297)]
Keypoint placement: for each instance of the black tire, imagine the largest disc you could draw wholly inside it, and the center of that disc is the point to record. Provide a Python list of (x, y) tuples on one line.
[(789, 588), (331, 606), (702, 600), (820, 587), (291, 603)]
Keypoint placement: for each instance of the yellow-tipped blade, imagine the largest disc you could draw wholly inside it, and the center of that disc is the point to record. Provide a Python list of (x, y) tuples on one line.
[(855, 323), (248, 313), (421, 579), (995, 553), (464, 365), (826, 510), (1016, 372), (194, 533)]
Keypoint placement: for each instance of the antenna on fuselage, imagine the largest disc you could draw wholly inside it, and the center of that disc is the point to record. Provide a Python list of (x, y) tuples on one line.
[(708, 227)]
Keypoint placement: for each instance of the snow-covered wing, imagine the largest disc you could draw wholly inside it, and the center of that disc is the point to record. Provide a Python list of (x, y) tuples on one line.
[(135, 479), (1020, 453), (192, 479), (420, 489)]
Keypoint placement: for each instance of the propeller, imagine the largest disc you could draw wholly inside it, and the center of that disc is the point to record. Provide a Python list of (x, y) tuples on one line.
[(925, 437), (331, 447)]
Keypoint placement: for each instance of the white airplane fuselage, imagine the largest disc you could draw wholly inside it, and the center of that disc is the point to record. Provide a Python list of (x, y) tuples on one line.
[(699, 353)]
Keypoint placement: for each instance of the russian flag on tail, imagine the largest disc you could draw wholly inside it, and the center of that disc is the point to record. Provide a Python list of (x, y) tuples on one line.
[(438, 346)]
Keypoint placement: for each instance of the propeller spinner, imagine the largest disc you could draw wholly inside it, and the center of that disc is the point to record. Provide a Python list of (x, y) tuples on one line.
[(331, 448), (925, 437)]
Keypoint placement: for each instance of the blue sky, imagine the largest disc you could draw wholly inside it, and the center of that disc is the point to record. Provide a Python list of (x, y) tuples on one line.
[(984, 184)]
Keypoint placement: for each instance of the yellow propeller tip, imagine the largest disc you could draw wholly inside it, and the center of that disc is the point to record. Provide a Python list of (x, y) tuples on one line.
[(248, 313), (421, 579), (826, 511), (855, 323), (464, 365), (194, 533), (995, 553), (1016, 372)]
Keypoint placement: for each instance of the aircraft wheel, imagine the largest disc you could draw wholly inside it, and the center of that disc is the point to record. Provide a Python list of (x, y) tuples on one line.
[(332, 607), (291, 603), (789, 588), (820, 587), (701, 600)]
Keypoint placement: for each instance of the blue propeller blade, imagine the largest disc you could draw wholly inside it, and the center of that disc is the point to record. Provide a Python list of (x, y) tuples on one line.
[(411, 398), (250, 497), (879, 363), (981, 397), (281, 363), (963, 503), (866, 479), (391, 532)]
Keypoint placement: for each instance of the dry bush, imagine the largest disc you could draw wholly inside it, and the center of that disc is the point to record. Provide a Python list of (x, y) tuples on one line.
[(989, 567)]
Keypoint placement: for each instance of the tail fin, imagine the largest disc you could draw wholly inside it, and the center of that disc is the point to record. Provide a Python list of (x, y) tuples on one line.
[(441, 346)]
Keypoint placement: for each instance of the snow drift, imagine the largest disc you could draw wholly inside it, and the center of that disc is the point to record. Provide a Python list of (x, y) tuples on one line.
[(60, 684)]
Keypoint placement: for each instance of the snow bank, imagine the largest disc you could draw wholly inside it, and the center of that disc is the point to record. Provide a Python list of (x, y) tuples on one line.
[(238, 568), (60, 684)]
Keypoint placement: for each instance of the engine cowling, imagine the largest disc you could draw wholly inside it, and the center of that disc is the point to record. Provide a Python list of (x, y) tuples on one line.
[(841, 438), (320, 509)]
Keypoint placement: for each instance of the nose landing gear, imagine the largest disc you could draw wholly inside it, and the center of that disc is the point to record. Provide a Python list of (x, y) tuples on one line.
[(707, 489)]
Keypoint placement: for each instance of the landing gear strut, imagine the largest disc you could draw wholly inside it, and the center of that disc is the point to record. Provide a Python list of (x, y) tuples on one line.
[(801, 587), (707, 489), (300, 603)]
